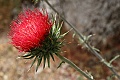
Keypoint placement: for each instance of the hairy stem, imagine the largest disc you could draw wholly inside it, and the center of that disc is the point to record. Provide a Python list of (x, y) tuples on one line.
[(75, 67), (88, 46)]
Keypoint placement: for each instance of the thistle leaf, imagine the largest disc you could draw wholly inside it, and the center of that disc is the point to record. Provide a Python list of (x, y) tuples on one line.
[(60, 64), (52, 56), (59, 26), (53, 28), (48, 60), (95, 49), (26, 55), (39, 62), (61, 36), (32, 56), (73, 36), (44, 61), (33, 62)]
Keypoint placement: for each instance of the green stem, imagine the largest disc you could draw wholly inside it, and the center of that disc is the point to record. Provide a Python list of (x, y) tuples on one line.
[(75, 67)]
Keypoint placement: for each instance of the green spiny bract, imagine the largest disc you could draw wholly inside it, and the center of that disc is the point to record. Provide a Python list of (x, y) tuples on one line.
[(50, 46)]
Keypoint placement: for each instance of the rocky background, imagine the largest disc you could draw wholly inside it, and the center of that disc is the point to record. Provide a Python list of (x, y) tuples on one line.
[(99, 17)]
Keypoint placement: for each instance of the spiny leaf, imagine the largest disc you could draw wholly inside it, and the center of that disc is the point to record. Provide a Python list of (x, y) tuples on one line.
[(26, 55), (52, 56), (59, 26), (95, 49), (89, 36), (60, 64), (61, 42), (33, 62), (73, 35), (39, 62), (53, 28), (61, 36), (44, 61), (48, 60), (85, 39), (116, 57), (32, 56)]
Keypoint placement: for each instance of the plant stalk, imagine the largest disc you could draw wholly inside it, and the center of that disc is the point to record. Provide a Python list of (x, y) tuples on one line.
[(75, 67)]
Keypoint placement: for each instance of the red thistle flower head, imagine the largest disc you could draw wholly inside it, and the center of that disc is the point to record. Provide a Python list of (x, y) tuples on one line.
[(29, 30)]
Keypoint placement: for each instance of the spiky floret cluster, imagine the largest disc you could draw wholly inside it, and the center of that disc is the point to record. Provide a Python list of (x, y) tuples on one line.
[(50, 46), (29, 29), (32, 32)]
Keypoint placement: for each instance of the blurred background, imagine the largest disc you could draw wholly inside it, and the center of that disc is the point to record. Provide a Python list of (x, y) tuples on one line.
[(99, 17)]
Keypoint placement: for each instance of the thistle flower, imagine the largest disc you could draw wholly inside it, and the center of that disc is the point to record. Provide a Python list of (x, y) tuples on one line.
[(34, 33), (29, 30)]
